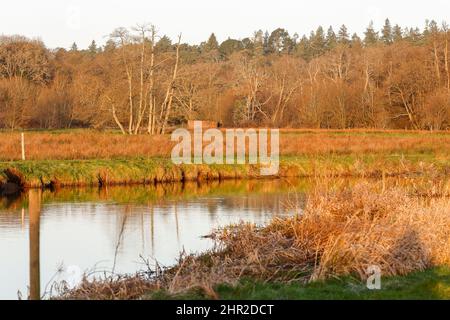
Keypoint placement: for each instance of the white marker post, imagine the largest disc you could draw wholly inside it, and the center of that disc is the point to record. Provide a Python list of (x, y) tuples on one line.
[(23, 146)]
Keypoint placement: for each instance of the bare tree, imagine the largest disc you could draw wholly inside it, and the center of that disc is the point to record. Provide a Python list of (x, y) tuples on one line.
[(166, 106), (123, 37)]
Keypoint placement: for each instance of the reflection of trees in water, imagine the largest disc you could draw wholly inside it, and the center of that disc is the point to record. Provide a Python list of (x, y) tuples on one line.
[(257, 197), (160, 193), (263, 196), (130, 211), (12, 211), (276, 204), (121, 228)]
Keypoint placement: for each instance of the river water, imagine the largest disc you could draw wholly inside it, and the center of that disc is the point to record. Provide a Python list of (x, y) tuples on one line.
[(50, 236)]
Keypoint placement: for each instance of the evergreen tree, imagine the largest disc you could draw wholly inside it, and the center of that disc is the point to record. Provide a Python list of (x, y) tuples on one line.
[(318, 42), (356, 41), (331, 40), (303, 49), (371, 36), (230, 46), (266, 42), (280, 41), (413, 35), (258, 42), (212, 43), (248, 44), (426, 30), (295, 38), (74, 47), (343, 36), (433, 27), (431, 30), (92, 49), (164, 44), (397, 33), (386, 33), (109, 46)]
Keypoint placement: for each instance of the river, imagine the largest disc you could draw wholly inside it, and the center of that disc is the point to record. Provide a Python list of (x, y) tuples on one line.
[(48, 236)]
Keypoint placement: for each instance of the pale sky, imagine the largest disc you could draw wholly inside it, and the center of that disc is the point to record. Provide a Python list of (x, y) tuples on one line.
[(60, 23)]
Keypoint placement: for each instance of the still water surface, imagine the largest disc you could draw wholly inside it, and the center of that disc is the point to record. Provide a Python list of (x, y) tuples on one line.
[(50, 236)]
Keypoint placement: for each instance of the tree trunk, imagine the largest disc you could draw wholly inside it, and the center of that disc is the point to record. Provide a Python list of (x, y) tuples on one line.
[(170, 90)]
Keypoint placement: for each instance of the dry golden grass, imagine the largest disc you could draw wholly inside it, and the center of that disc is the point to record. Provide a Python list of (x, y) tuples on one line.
[(83, 144), (117, 288), (88, 144), (337, 234)]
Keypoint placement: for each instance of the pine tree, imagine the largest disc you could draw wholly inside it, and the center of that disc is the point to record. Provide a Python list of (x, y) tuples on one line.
[(258, 42), (164, 44), (74, 47), (303, 49), (397, 33), (93, 47), (426, 30), (212, 43), (433, 27), (331, 40), (386, 33), (109, 46), (356, 41), (413, 35), (318, 42), (371, 37), (343, 36), (430, 31), (266, 42)]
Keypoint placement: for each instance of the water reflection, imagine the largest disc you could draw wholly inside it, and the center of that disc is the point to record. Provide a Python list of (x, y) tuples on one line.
[(43, 234)]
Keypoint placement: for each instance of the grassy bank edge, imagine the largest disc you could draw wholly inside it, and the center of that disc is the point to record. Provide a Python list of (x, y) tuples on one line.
[(37, 174), (431, 284)]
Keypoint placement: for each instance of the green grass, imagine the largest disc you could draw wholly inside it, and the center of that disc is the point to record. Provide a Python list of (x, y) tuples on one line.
[(147, 170), (433, 284)]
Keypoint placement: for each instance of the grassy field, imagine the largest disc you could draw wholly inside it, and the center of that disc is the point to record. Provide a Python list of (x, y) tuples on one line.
[(99, 145), (432, 284), (86, 157)]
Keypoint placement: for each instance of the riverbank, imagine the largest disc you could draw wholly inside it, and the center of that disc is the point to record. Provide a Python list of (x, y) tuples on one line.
[(339, 235), (99, 158), (18, 175), (432, 284)]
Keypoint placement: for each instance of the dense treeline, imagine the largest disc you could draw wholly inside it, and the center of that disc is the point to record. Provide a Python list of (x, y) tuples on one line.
[(142, 82)]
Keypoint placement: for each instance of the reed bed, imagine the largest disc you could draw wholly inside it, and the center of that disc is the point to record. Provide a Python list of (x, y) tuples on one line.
[(338, 234)]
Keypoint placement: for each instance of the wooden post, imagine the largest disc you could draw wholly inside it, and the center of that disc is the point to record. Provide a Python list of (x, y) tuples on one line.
[(23, 146)]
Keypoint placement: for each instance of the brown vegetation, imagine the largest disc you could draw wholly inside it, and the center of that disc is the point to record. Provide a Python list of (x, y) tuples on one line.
[(139, 82), (337, 234), (85, 144)]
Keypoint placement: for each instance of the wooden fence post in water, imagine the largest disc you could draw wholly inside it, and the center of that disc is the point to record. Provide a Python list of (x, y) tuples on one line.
[(23, 145), (34, 205)]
